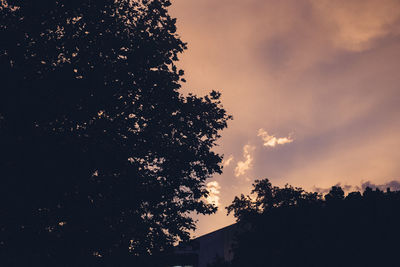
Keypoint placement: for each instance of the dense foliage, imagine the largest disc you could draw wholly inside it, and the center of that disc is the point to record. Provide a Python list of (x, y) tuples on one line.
[(290, 227), (101, 157)]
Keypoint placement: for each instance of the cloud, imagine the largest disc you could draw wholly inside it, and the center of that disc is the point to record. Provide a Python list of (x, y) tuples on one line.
[(272, 141), (243, 166), (394, 185), (355, 24), (213, 189), (228, 161), (328, 69), (346, 188)]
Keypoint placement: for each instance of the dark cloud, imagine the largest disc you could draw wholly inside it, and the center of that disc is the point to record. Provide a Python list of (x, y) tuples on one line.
[(393, 185), (321, 190), (346, 188)]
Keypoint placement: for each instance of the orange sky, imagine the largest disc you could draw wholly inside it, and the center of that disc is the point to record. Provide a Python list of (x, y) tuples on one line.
[(313, 85)]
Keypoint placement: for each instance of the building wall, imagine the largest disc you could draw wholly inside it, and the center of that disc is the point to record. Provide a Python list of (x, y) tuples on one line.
[(203, 250), (216, 244)]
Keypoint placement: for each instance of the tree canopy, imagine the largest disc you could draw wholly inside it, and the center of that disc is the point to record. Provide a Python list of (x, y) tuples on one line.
[(101, 157), (291, 227)]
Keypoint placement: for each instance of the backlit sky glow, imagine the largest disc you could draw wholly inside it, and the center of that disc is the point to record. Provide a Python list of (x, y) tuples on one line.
[(313, 85)]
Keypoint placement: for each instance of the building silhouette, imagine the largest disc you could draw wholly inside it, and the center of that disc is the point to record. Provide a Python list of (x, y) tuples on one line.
[(205, 249)]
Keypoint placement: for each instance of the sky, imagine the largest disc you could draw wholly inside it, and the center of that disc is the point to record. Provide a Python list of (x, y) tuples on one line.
[(313, 86)]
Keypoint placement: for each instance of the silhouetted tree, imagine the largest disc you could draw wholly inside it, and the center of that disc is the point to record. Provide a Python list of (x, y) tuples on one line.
[(101, 157), (336, 194), (268, 197), (290, 227)]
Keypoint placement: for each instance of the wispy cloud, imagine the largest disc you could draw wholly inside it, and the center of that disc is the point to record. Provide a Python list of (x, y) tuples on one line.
[(272, 141), (213, 189), (228, 161), (243, 166)]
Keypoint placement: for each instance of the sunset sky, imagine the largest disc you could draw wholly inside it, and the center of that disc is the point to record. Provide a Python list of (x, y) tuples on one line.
[(313, 85)]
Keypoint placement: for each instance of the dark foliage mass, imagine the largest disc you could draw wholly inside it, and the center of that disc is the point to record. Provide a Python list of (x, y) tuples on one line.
[(101, 157), (290, 227)]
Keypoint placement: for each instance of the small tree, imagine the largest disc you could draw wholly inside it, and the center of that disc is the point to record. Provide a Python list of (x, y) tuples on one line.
[(101, 156)]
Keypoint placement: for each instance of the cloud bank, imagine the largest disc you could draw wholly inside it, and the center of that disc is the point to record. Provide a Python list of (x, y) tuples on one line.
[(393, 185)]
